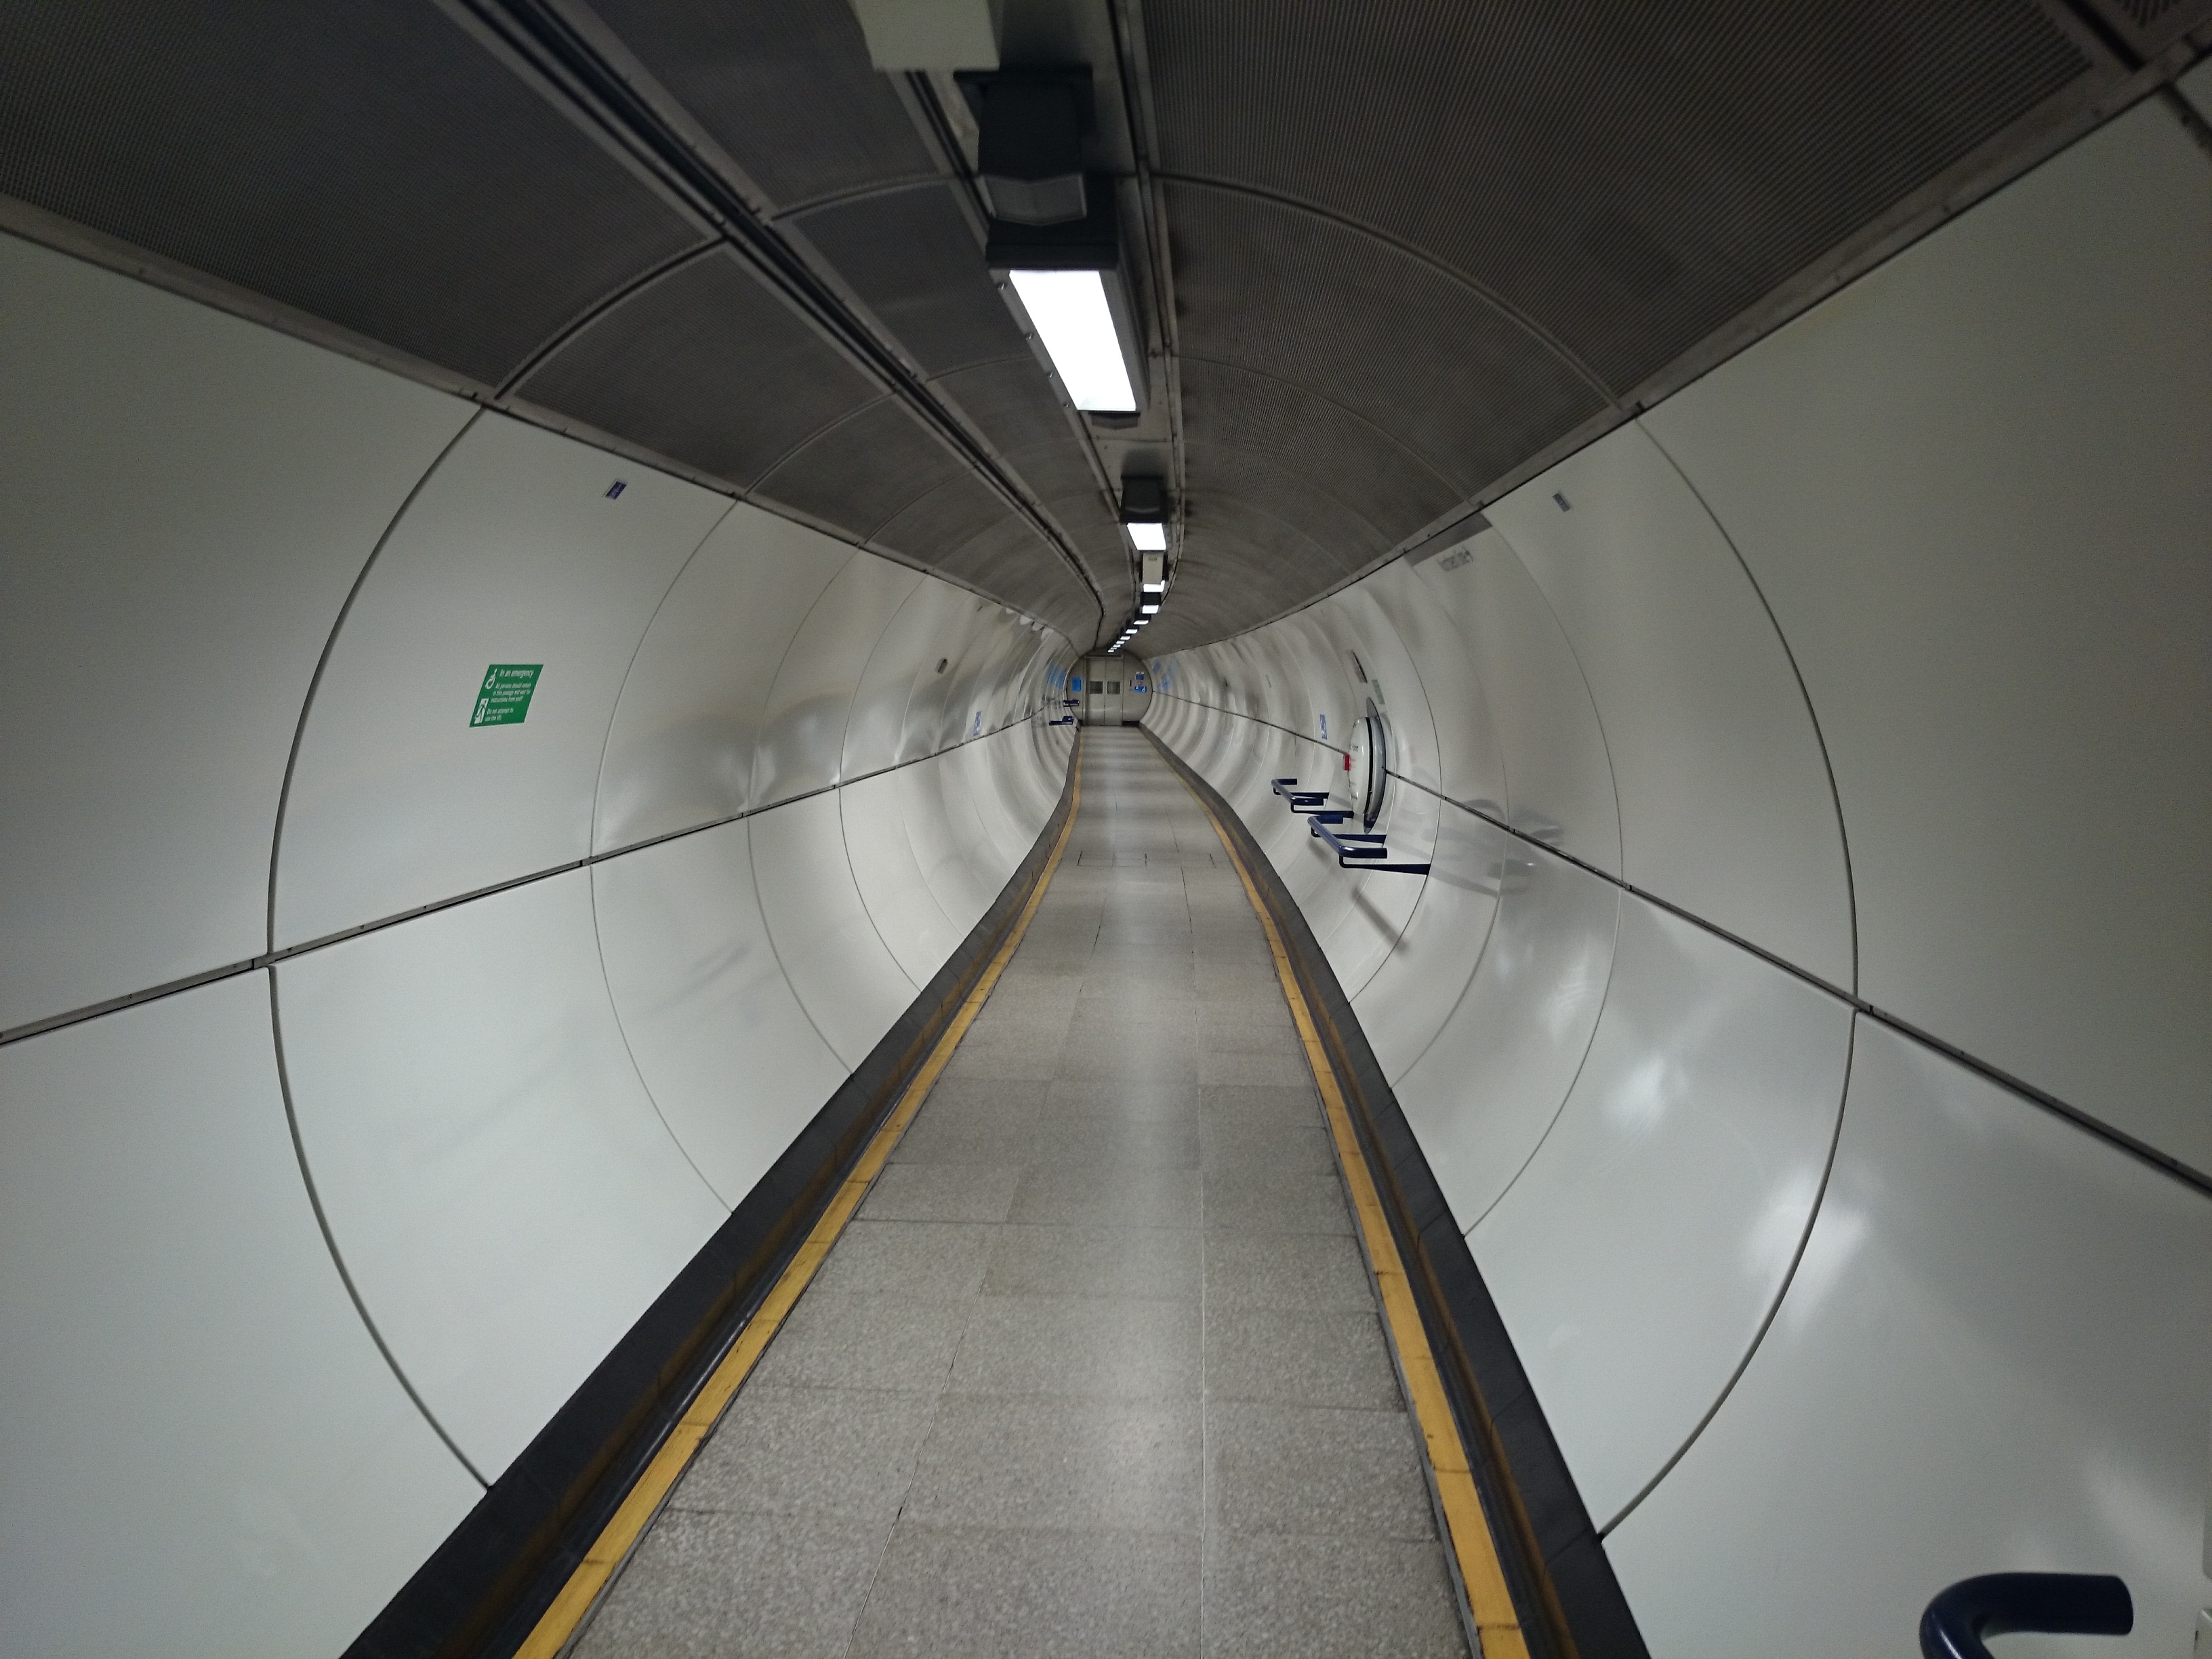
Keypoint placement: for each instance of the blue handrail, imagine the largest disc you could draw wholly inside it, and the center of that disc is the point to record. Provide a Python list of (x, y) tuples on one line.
[(2000, 1603)]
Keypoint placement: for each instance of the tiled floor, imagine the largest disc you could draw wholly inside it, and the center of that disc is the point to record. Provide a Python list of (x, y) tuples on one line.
[(1097, 1369)]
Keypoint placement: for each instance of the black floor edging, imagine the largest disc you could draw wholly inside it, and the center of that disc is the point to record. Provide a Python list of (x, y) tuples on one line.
[(484, 1588), (1570, 1604)]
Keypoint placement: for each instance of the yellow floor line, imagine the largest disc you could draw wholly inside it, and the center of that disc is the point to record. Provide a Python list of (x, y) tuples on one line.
[(1497, 1622), (643, 1502)]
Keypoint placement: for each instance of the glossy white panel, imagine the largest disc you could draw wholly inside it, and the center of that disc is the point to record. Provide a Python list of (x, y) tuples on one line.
[(681, 751), (511, 553), (932, 626), (187, 500), (505, 1195), (730, 1058), (1558, 780), (1725, 807), (996, 787), (1638, 1255), (940, 833), (1974, 486), (1465, 763), (838, 966), (1380, 906), (1482, 1095), (912, 925), (803, 738), (1992, 1357), (205, 1453), (1414, 992)]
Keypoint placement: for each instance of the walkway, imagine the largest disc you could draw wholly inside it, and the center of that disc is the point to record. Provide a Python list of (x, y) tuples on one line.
[(1098, 1368)]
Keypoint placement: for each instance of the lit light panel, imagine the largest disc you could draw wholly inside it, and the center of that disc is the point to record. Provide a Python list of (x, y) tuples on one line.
[(1147, 538), (1069, 309)]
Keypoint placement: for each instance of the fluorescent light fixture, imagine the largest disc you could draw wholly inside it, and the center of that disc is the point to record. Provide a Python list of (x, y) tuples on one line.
[(1147, 538), (1154, 587), (1150, 609), (1069, 309)]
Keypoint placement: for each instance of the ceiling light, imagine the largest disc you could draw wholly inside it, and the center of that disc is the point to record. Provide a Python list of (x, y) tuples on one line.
[(1147, 538), (1149, 606), (1072, 318)]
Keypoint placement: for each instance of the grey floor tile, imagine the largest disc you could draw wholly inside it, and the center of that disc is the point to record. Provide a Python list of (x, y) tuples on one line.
[(942, 1192), (1275, 1200), (1130, 1059), (716, 1586), (1098, 1347), (1139, 1263), (823, 1451), (1314, 1272), (1006, 1059), (864, 1342), (986, 1138), (1006, 1098), (1072, 1195), (1307, 1147), (1304, 1469), (1123, 1099), (1299, 1356), (991, 1595), (1285, 1068), (1054, 1463), (1148, 1143), (1328, 1598), (920, 1260), (1262, 1108)]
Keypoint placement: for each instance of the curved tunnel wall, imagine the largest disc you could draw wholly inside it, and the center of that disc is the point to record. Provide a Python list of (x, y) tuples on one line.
[(1846, 708), (530, 1005)]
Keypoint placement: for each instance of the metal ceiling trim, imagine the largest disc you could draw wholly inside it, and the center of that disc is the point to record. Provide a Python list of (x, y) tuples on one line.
[(1543, 337), (567, 54), (1132, 71)]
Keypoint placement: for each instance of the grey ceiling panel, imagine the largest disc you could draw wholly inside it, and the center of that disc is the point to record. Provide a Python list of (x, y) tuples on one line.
[(1356, 463), (784, 86), (864, 472), (955, 512), (704, 365), (1008, 560), (1632, 175), (370, 165), (911, 257), (1410, 351)]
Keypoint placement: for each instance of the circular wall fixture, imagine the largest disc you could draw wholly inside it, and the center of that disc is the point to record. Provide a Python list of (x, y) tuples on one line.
[(1370, 764)]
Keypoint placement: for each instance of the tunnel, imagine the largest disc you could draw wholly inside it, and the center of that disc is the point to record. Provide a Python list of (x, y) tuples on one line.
[(1106, 827)]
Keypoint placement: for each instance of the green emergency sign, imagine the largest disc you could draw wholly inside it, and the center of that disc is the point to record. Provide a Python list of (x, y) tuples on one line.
[(504, 697)]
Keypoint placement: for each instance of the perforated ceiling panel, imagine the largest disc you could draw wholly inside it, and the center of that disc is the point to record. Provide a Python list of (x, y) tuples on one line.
[(370, 165)]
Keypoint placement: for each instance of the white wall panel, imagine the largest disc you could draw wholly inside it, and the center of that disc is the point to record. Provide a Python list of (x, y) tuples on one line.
[(511, 553), (1992, 1357), (498, 1181), (187, 499), (941, 834), (680, 752), (729, 1057), (205, 1453), (1974, 486), (1467, 764), (1411, 996), (1636, 1257), (907, 916), (1725, 807), (1558, 777), (802, 743), (839, 967), (932, 626), (1482, 1095)]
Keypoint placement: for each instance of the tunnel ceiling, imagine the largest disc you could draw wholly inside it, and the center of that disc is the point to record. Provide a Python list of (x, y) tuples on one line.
[(1388, 256)]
